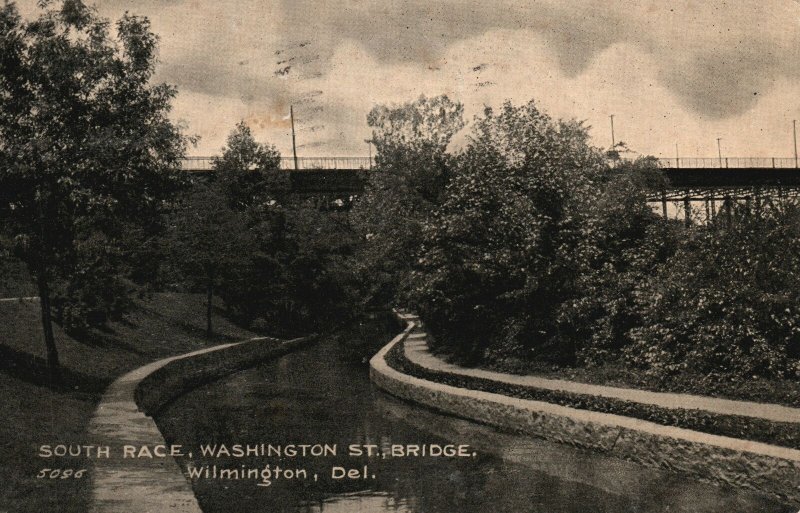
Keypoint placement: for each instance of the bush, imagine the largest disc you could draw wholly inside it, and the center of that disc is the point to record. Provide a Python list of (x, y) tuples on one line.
[(725, 305), (98, 287), (629, 242)]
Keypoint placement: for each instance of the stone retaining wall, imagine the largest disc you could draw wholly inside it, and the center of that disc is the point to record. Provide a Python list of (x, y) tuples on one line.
[(184, 374), (765, 468)]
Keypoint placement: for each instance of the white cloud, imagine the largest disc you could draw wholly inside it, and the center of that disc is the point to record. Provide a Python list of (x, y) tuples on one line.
[(685, 71)]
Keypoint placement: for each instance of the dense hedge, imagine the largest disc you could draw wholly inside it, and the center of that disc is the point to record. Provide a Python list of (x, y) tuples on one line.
[(785, 434), (726, 303)]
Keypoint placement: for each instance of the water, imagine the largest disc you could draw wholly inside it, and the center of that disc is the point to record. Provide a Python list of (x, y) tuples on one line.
[(312, 397)]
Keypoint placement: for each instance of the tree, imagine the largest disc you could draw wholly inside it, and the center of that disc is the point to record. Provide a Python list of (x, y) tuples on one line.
[(87, 151), (407, 183), (209, 239), (503, 250), (289, 281), (250, 171), (630, 242)]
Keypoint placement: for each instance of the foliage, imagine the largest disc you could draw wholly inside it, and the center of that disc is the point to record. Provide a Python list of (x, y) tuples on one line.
[(629, 241), (289, 278), (406, 184), (88, 155), (502, 252), (542, 251), (724, 306), (249, 171), (296, 279), (209, 240), (97, 287)]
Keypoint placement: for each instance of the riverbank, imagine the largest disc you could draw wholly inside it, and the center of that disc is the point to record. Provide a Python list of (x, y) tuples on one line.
[(37, 412), (592, 417), (783, 391)]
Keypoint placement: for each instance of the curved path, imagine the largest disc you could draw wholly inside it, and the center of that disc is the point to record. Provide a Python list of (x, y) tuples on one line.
[(137, 485), (416, 350)]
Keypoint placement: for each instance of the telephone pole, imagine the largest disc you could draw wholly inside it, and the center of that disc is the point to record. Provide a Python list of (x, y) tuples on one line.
[(794, 130), (719, 150), (613, 142), (294, 145), (369, 143)]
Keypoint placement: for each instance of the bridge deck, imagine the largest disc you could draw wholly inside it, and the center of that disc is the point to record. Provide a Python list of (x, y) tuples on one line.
[(733, 177), (349, 174)]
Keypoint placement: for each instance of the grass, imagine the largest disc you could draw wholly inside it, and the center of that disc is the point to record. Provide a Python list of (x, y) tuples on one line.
[(37, 412), (786, 434), (777, 391)]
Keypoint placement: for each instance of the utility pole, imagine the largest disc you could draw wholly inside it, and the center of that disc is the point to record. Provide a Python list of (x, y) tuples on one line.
[(613, 142), (719, 150), (794, 130), (677, 156), (369, 144), (294, 145)]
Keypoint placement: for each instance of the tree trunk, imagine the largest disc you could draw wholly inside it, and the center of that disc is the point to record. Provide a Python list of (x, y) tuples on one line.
[(47, 326), (209, 297)]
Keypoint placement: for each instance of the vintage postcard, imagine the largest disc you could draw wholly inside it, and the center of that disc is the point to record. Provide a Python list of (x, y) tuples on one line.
[(399, 256)]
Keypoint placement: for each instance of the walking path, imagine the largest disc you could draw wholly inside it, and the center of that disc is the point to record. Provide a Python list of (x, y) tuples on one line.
[(417, 351), (157, 484), (137, 485), (11, 299)]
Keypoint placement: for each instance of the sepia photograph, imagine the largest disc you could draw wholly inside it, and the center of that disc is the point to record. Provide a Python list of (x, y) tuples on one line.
[(399, 256)]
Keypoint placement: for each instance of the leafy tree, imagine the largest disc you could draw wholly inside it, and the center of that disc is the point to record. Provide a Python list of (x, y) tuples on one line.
[(249, 171), (630, 242), (297, 279), (209, 240), (87, 151), (505, 247), (406, 184)]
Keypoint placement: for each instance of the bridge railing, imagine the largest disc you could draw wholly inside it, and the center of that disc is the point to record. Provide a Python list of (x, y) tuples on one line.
[(728, 163), (303, 163), (331, 163)]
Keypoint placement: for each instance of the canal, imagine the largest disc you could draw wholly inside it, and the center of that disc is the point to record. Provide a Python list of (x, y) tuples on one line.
[(314, 397)]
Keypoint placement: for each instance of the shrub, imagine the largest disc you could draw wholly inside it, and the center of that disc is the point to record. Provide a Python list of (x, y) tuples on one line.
[(629, 242), (725, 305)]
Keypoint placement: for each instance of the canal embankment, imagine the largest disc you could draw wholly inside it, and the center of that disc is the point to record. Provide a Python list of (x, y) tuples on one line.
[(620, 422), (124, 418), (319, 395)]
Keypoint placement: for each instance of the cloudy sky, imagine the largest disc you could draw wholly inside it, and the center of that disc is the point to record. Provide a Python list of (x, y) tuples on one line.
[(683, 71)]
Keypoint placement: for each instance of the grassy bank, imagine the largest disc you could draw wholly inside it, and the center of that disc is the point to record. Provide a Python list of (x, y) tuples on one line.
[(37, 412), (758, 389), (778, 433)]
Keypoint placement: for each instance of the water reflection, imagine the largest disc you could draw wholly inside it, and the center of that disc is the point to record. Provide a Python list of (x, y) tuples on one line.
[(311, 397), (355, 502)]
